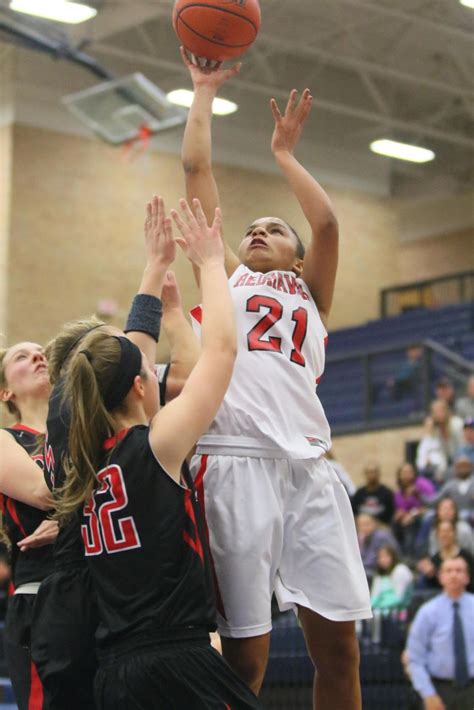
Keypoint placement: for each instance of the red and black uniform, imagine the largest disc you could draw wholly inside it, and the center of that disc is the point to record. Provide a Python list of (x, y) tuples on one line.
[(66, 617), (28, 570), (150, 568)]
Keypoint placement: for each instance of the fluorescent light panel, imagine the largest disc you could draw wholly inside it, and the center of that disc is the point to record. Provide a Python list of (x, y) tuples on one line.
[(184, 97), (58, 10), (402, 151), (467, 3)]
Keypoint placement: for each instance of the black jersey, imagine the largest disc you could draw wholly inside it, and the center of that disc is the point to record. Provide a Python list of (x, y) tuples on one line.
[(21, 520), (68, 549), (148, 561)]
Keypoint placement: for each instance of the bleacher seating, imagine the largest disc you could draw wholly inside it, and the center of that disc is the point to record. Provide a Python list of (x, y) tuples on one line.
[(342, 389)]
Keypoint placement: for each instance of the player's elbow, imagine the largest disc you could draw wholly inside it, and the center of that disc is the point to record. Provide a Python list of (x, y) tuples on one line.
[(330, 226), (43, 498), (223, 357), (195, 166)]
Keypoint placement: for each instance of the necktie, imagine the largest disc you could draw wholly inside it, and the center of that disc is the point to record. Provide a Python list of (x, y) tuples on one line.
[(461, 674)]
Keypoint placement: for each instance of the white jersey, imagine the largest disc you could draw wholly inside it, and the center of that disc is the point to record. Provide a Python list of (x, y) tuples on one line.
[(271, 402)]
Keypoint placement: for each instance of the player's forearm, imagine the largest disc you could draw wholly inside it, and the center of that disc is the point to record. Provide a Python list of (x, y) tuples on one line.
[(196, 152), (314, 201), (152, 279), (218, 326), (184, 345)]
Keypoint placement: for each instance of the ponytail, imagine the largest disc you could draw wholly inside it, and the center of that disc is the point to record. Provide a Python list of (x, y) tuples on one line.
[(97, 382), (89, 372)]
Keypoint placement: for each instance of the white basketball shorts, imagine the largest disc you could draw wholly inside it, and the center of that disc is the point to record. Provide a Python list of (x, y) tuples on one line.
[(279, 526)]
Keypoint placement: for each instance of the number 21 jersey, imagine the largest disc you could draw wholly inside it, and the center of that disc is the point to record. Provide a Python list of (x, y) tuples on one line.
[(271, 402)]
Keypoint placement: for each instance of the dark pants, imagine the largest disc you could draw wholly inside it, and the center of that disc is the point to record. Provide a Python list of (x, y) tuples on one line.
[(185, 675), (455, 698), (63, 640), (23, 675)]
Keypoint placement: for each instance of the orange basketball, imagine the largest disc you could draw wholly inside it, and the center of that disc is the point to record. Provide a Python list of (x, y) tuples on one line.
[(216, 29)]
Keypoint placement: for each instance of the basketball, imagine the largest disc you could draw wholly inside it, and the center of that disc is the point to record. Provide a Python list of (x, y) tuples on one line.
[(217, 29)]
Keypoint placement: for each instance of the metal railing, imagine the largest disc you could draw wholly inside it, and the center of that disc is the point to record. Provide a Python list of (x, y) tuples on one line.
[(439, 291), (457, 368)]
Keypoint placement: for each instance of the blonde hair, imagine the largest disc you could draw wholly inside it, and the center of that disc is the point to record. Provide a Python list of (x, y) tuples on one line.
[(90, 373), (11, 406), (60, 348)]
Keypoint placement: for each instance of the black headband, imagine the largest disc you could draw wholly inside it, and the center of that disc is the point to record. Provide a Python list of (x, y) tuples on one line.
[(128, 367)]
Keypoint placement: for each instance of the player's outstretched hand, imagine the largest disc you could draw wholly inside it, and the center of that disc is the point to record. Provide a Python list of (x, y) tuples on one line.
[(208, 73), (160, 246), (201, 243), (45, 534), (170, 295), (288, 128)]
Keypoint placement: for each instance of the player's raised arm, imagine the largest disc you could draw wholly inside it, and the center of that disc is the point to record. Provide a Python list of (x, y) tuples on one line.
[(196, 151), (177, 427), (20, 477), (320, 262), (160, 251), (184, 345)]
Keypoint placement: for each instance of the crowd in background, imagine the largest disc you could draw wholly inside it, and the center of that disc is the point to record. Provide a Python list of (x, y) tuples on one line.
[(407, 530)]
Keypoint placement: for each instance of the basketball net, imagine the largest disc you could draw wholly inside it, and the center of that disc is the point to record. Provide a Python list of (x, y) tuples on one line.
[(138, 145)]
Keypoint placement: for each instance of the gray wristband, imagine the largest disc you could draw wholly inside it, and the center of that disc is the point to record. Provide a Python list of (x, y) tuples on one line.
[(145, 315)]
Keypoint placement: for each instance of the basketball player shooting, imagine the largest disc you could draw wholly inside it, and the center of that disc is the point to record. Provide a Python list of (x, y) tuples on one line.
[(279, 519)]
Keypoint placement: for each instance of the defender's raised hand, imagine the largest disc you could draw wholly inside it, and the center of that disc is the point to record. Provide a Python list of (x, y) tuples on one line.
[(160, 246), (288, 128), (201, 243)]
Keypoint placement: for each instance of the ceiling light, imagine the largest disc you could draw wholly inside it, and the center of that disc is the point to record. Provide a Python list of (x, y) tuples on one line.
[(184, 97), (402, 151), (58, 10), (467, 3)]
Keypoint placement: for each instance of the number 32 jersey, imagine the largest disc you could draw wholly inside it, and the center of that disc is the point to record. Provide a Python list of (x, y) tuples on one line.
[(271, 401)]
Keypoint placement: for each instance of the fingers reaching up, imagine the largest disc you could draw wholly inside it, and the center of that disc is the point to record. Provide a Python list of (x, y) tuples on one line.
[(159, 243), (289, 126), (170, 295), (208, 72), (201, 243)]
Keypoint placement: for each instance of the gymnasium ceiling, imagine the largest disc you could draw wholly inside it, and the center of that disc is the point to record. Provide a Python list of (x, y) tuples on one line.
[(377, 68)]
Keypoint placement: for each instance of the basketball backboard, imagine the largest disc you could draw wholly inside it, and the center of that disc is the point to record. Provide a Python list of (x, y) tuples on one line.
[(119, 110)]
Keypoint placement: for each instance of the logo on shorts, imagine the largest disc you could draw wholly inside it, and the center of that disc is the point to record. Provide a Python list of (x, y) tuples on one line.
[(313, 441)]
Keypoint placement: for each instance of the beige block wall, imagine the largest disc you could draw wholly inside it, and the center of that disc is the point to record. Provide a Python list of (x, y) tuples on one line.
[(5, 199), (386, 447), (77, 213), (427, 258)]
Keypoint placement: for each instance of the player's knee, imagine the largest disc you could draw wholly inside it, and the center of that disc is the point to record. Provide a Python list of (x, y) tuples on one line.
[(251, 668), (338, 654)]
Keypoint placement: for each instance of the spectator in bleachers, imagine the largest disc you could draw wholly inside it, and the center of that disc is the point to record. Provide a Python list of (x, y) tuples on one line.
[(461, 488), (464, 406), (444, 390), (374, 498), (413, 494), (442, 437), (408, 376), (392, 584), (448, 548), (467, 447), (440, 645), (341, 473), (446, 510), (372, 536)]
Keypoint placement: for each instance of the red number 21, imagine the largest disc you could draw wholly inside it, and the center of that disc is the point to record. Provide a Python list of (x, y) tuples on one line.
[(255, 337), (99, 532)]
